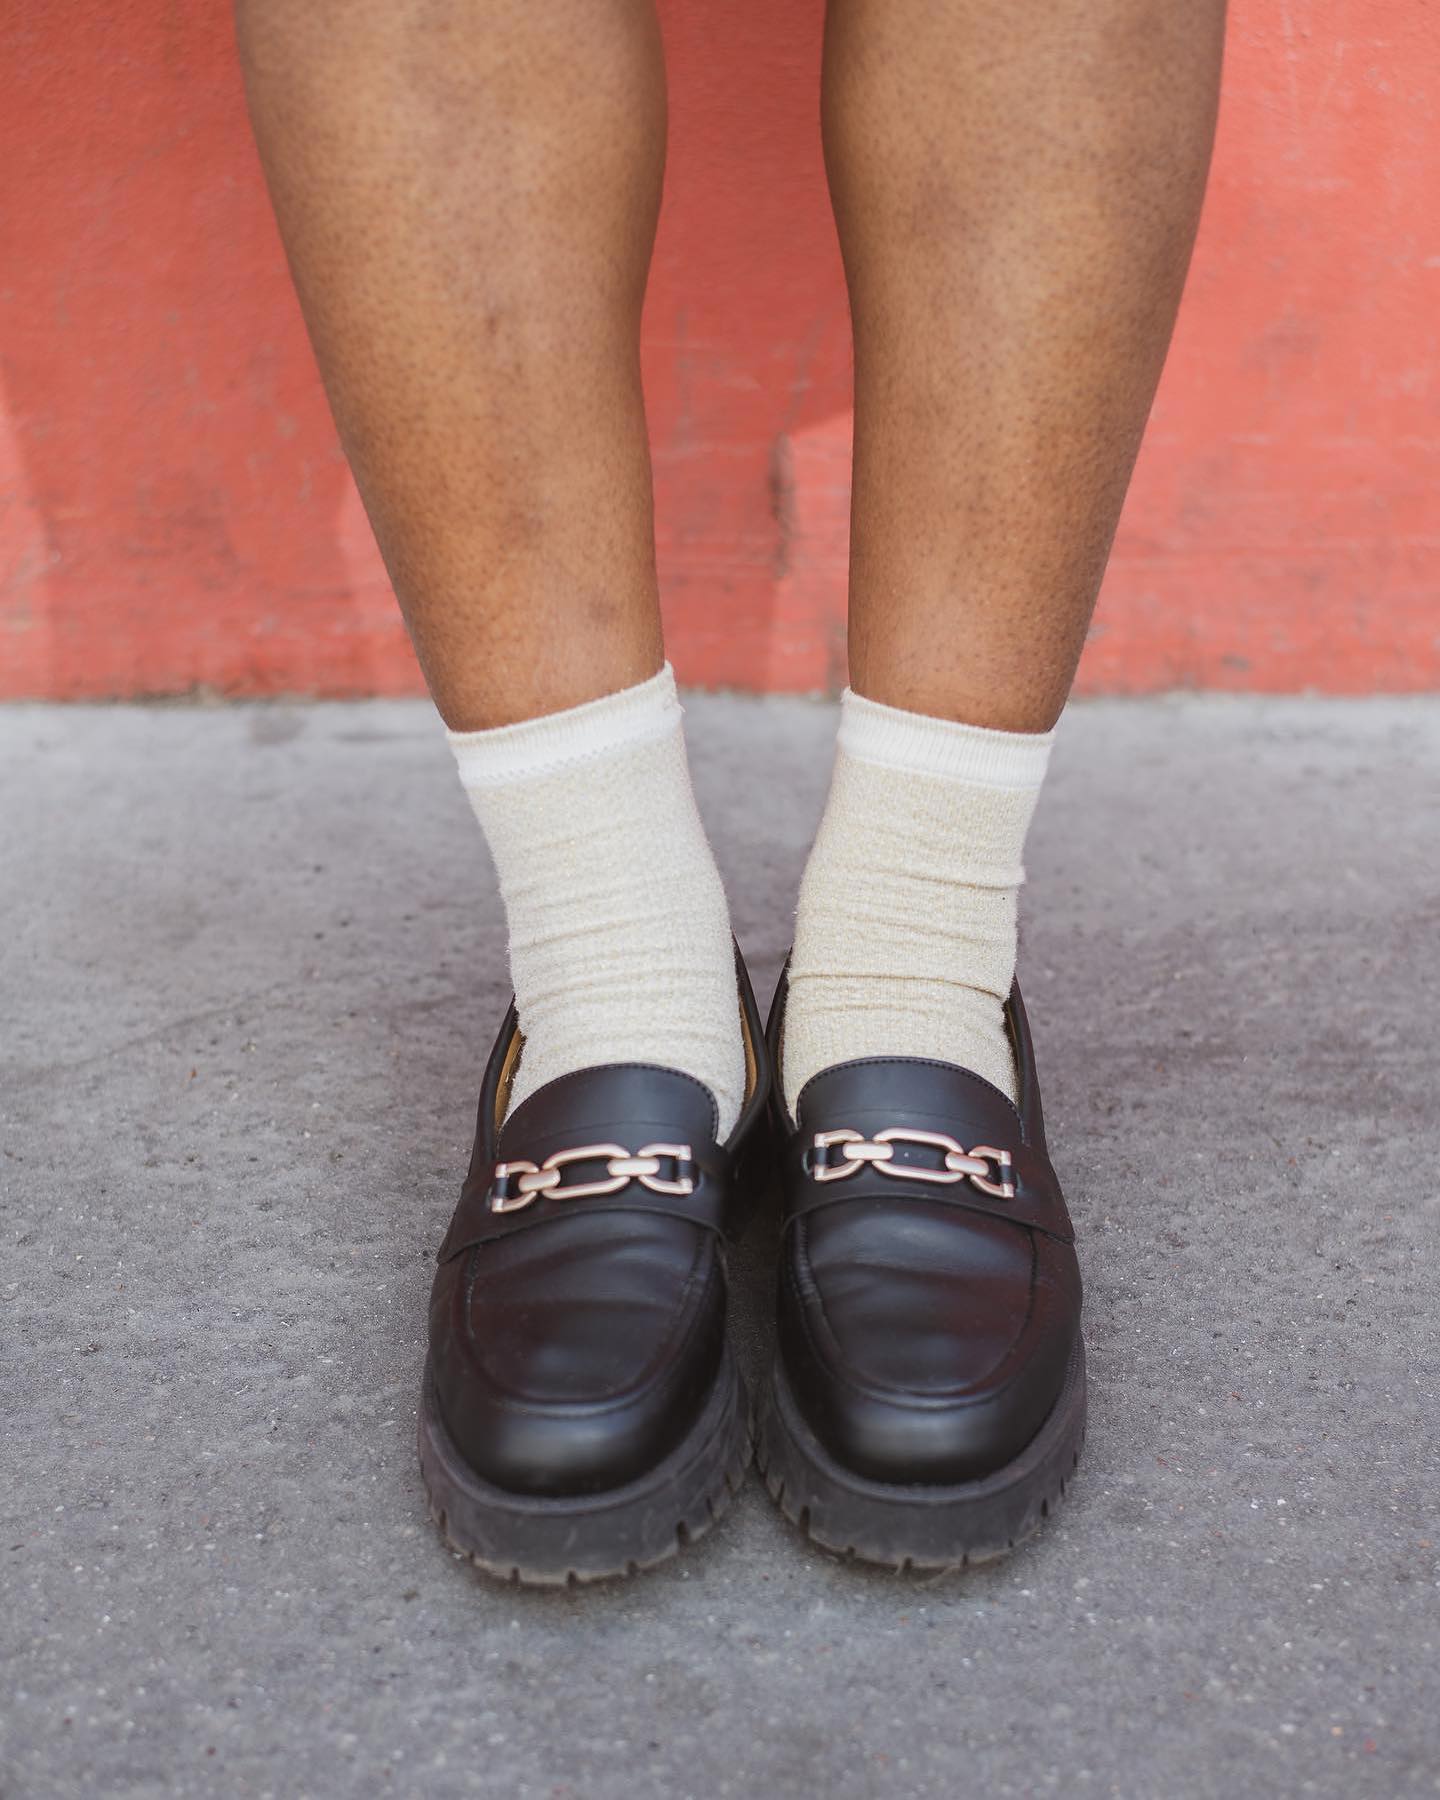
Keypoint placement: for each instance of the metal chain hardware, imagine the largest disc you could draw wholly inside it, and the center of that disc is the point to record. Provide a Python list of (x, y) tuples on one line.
[(957, 1163), (515, 1184)]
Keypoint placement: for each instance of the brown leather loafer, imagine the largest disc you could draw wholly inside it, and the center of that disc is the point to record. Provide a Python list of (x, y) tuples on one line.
[(927, 1403), (582, 1415)]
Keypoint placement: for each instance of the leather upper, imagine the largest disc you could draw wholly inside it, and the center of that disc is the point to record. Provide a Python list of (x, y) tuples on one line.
[(929, 1292), (575, 1337)]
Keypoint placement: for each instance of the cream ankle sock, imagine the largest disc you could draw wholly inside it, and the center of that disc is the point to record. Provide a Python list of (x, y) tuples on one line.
[(620, 947), (905, 930)]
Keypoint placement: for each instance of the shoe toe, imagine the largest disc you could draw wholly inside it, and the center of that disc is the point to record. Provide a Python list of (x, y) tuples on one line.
[(570, 1359), (936, 1353)]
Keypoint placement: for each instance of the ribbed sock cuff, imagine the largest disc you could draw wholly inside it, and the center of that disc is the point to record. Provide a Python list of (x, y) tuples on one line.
[(917, 744), (641, 714)]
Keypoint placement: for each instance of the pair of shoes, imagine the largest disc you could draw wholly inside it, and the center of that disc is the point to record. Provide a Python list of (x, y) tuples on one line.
[(582, 1414)]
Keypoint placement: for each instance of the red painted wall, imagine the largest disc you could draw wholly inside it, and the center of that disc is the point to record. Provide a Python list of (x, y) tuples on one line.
[(174, 512)]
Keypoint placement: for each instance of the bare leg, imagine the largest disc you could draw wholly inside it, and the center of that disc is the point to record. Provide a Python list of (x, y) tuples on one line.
[(1016, 189), (468, 191)]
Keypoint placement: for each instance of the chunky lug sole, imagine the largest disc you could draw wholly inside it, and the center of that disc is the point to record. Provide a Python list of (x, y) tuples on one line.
[(535, 1541), (919, 1528)]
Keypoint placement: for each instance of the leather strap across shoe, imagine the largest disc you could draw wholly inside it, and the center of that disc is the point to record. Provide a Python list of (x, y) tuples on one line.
[(927, 1403), (582, 1414)]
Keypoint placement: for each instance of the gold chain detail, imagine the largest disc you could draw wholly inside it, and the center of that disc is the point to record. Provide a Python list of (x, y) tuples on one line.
[(957, 1164), (532, 1179)]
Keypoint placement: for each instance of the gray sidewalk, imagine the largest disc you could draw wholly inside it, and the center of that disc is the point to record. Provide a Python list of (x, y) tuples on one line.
[(251, 962)]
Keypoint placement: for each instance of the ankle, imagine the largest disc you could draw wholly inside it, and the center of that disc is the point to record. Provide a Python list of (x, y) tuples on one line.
[(905, 936), (620, 946)]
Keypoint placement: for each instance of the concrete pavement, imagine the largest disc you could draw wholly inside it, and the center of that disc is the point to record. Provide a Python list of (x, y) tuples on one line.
[(252, 959)]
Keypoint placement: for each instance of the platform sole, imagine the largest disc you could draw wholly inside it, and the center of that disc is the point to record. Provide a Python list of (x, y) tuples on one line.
[(921, 1528), (535, 1541)]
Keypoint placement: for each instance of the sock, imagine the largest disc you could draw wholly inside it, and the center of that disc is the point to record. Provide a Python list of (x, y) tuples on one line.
[(905, 929), (620, 946)]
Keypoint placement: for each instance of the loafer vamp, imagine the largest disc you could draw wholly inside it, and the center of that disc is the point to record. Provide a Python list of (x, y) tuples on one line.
[(922, 1345), (926, 1320), (572, 1357), (577, 1325)]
